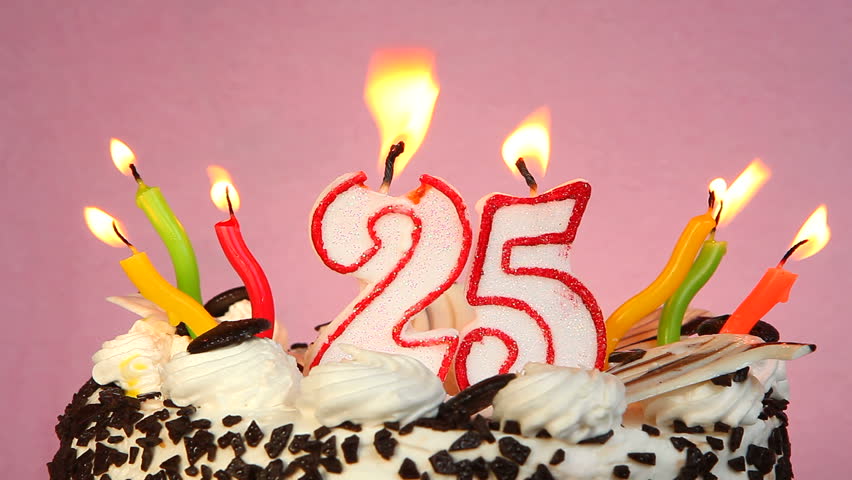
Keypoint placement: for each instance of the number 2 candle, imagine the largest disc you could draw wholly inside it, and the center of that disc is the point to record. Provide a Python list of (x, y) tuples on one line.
[(529, 306), (168, 227), (405, 250)]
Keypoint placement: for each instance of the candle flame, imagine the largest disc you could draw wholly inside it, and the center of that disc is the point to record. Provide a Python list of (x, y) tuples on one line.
[(220, 183), (742, 190), (101, 225), (122, 155), (531, 140), (815, 230), (718, 186), (400, 92)]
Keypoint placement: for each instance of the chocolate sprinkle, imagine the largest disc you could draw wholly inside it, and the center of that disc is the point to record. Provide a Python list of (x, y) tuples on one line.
[(350, 448), (234, 440), (680, 443), (626, 356), (392, 426), (171, 465), (227, 333), (558, 457), (329, 447), (512, 427), (408, 469), (480, 424), (621, 471), (721, 427), (503, 469), (331, 464), (201, 424), (273, 471), (134, 452), (321, 432), (715, 443), (186, 411), (741, 375), (198, 445), (737, 464), (651, 431), (253, 434), (278, 440), (681, 427), (513, 450), (442, 462), (231, 420), (206, 472), (192, 471), (600, 439), (736, 438), (352, 427), (762, 458), (475, 397), (647, 458), (468, 441), (542, 473), (178, 428), (722, 380), (384, 443)]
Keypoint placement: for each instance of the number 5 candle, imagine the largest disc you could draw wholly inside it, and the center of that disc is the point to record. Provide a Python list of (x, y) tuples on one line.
[(405, 250), (160, 214), (529, 306)]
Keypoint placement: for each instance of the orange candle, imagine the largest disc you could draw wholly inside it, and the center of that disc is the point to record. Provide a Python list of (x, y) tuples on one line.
[(776, 283)]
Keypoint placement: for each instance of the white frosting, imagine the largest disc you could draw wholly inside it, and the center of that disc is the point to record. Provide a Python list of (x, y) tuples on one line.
[(133, 360), (705, 404), (570, 403), (251, 377), (773, 374), (369, 389)]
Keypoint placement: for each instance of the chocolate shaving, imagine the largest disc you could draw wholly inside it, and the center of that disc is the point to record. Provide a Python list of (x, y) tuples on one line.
[(681, 427), (384, 443), (513, 450), (736, 438), (442, 462), (253, 434), (219, 305), (542, 473), (350, 448), (680, 443), (468, 441), (475, 397), (651, 431), (626, 356), (278, 440), (647, 458), (715, 443), (558, 457), (512, 427), (504, 469), (321, 432), (227, 333), (621, 471), (737, 464), (231, 420), (408, 469), (600, 439)]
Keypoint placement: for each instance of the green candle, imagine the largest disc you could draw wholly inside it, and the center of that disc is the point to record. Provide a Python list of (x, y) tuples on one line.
[(702, 269), (170, 230)]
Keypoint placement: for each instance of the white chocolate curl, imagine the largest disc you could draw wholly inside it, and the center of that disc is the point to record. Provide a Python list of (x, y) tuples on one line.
[(370, 389), (570, 403)]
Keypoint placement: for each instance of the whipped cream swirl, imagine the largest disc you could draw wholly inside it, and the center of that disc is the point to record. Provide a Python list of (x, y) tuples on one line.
[(571, 403), (369, 389), (250, 377), (133, 360), (706, 403), (242, 309)]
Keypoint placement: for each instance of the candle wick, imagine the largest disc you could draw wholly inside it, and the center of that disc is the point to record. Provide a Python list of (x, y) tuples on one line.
[(790, 252), (135, 173), (228, 199), (711, 198), (122, 237), (718, 215), (525, 172), (394, 152)]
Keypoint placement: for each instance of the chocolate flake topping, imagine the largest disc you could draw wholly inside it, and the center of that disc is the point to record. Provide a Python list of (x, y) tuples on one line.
[(736, 438), (680, 443), (385, 443), (715, 443), (278, 440), (762, 458), (681, 427), (480, 424), (513, 450), (253, 434), (600, 439), (504, 469), (408, 469), (350, 448), (468, 441), (647, 458), (201, 424), (178, 428), (737, 464), (621, 471), (512, 427), (741, 375), (541, 473), (352, 427), (651, 431), (558, 457), (626, 356), (227, 333), (475, 397), (231, 420), (722, 380), (321, 432), (442, 462), (721, 427)]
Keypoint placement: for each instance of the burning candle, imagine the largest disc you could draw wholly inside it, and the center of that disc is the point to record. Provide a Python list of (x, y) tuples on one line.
[(776, 283), (227, 199), (529, 307), (729, 202), (672, 276), (405, 250), (161, 216), (178, 305)]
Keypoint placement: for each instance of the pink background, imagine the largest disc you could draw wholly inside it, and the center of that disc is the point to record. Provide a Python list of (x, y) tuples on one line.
[(650, 101)]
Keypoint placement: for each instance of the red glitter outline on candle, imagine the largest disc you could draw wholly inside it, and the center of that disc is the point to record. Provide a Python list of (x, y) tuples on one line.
[(578, 191), (427, 181)]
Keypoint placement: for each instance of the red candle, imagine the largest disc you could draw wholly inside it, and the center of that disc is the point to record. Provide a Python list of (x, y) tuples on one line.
[(240, 257), (776, 283)]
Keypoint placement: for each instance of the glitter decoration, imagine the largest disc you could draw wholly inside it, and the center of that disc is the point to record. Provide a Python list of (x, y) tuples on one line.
[(405, 250)]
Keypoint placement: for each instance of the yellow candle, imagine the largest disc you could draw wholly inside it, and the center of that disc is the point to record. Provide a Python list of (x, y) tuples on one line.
[(180, 306), (664, 286)]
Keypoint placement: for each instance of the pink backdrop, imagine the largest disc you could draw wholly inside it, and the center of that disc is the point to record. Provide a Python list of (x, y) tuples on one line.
[(650, 101)]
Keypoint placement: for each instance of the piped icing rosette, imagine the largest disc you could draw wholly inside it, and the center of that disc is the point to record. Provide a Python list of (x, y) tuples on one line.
[(573, 404), (255, 375), (370, 389)]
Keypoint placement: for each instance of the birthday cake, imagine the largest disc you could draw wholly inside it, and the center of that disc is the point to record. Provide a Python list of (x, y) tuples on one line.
[(230, 405)]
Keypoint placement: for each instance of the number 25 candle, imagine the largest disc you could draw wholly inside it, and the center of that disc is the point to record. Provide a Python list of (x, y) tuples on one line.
[(529, 306), (160, 214), (405, 250)]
